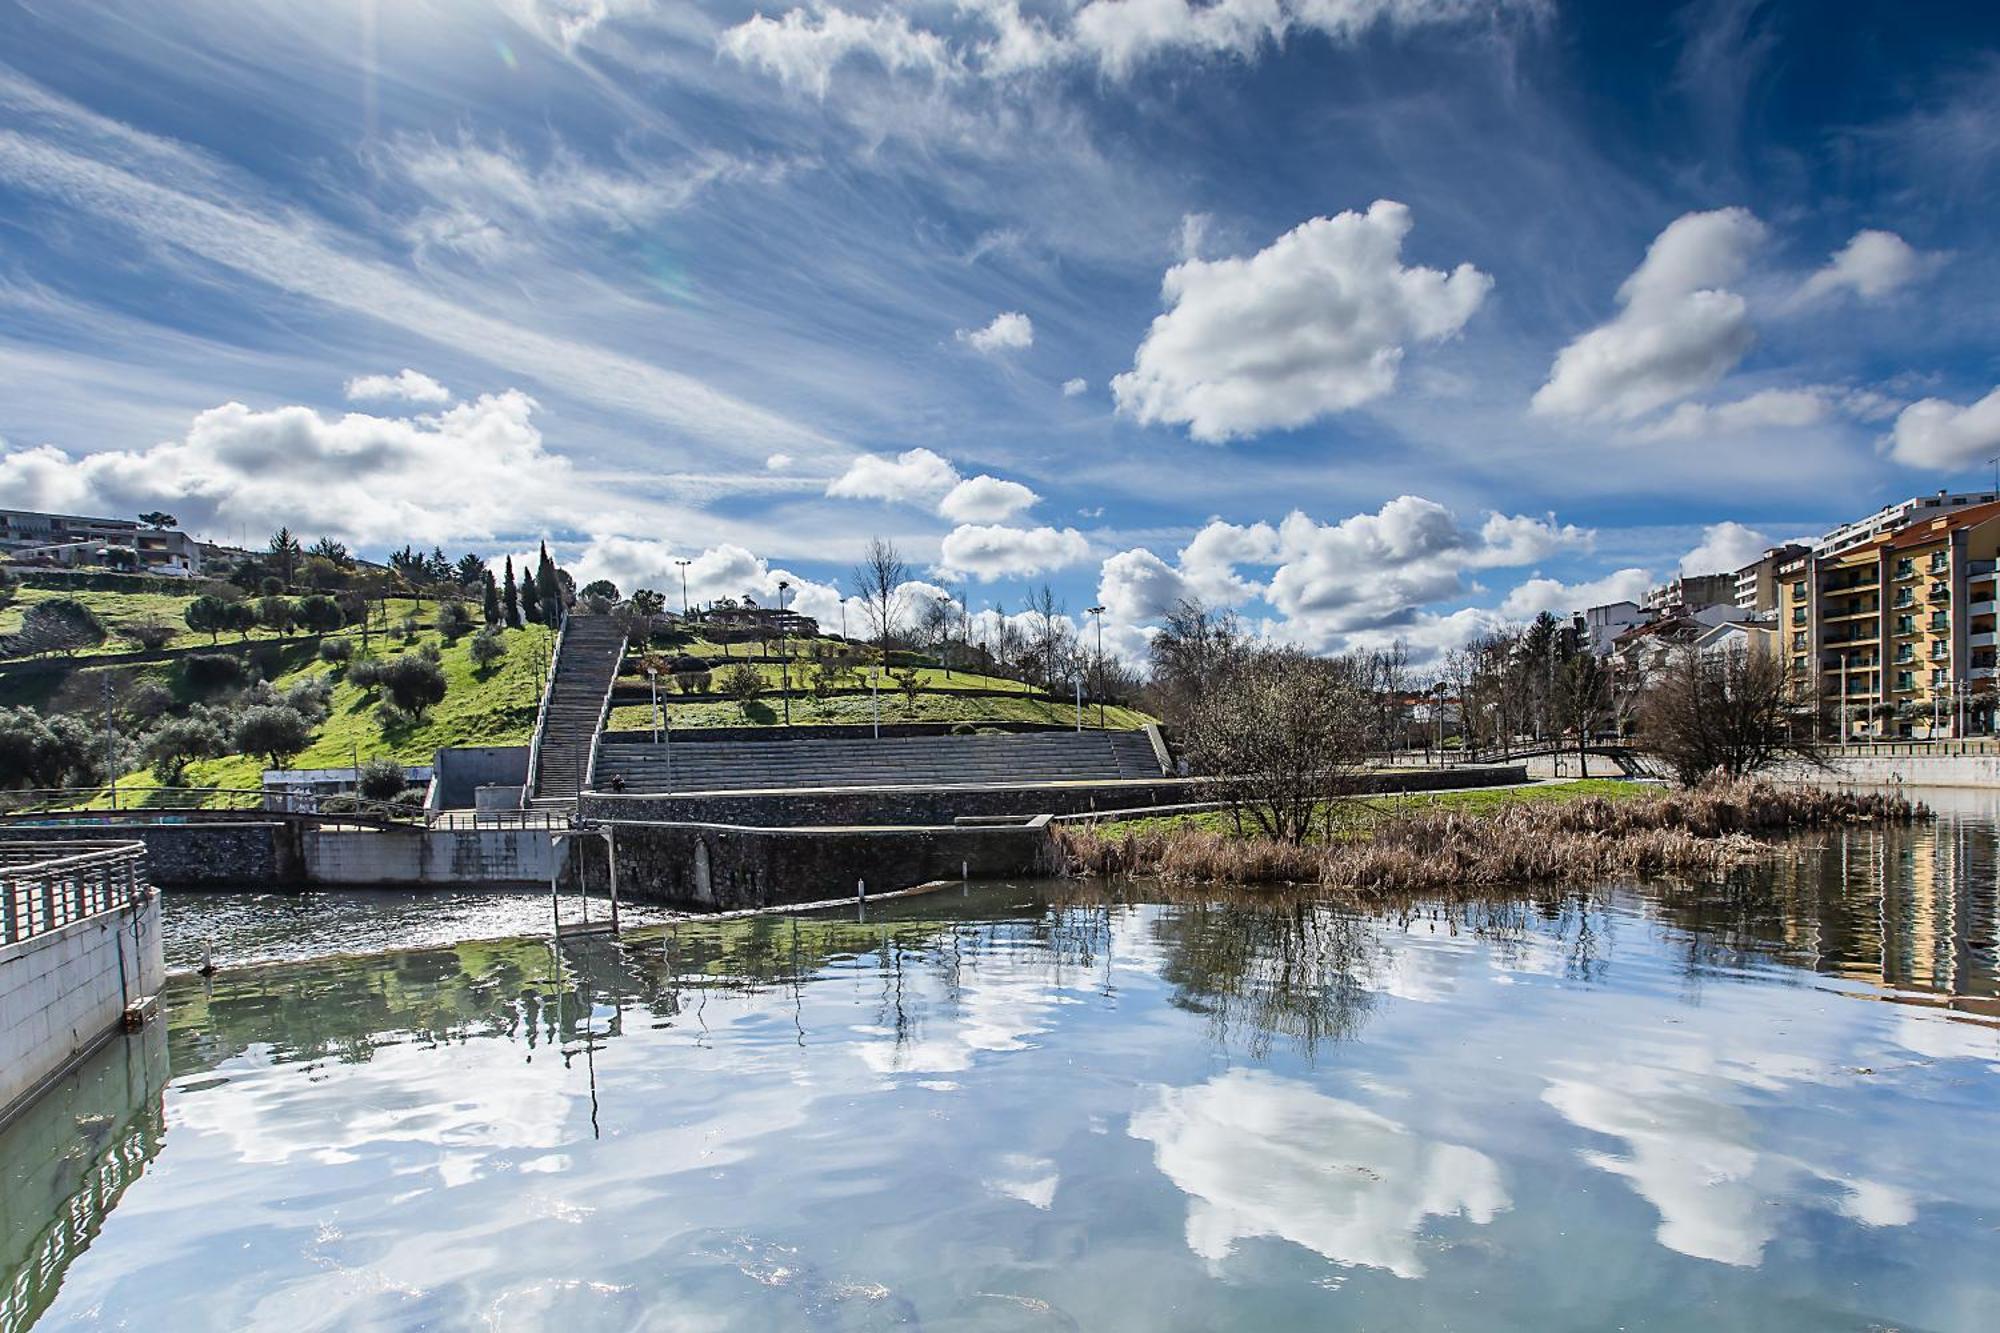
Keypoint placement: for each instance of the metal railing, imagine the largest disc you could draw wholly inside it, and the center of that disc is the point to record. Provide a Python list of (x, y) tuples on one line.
[(45, 886), (180, 803), (589, 781), (542, 710)]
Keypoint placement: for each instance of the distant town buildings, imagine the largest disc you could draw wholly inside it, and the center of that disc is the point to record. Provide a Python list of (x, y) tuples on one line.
[(30, 537), (1887, 622)]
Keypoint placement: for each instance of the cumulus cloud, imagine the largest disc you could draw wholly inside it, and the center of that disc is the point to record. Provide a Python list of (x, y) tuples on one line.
[(1537, 595), (1936, 433), (410, 385), (1725, 548), (1138, 585), (1210, 560), (1870, 266), (469, 473), (916, 476), (1009, 330), (985, 499), (1315, 323), (777, 462), (1679, 332), (993, 551), (1074, 387), (1372, 571), (803, 48)]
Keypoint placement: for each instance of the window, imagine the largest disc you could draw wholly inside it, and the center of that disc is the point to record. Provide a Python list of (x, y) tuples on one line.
[(1940, 621), (1905, 567), (1906, 680), (1938, 678), (1799, 591), (1798, 615), (1939, 561), (1906, 624), (1906, 652), (1799, 639)]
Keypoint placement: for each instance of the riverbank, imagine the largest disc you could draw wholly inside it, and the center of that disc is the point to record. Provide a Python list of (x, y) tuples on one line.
[(1468, 849)]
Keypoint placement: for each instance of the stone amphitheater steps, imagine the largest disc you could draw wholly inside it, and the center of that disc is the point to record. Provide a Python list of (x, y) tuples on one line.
[(591, 650), (915, 761)]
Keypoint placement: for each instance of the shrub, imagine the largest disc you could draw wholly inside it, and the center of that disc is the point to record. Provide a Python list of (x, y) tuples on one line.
[(205, 673), (148, 635), (177, 742), (900, 658), (381, 780), (59, 625), (148, 699), (276, 614), (599, 588), (45, 752), (320, 614), (266, 659), (413, 682), (273, 732), (313, 698), (207, 614), (336, 651), (409, 626), (487, 647), (365, 674), (692, 682), (241, 617), (686, 665), (742, 682), (453, 619)]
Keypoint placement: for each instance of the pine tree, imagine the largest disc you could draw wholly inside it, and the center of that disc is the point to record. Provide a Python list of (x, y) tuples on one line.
[(492, 593), (510, 599)]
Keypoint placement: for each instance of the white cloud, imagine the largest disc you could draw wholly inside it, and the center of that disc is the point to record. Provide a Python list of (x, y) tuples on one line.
[(410, 385), (991, 551), (1009, 330), (1939, 434), (1870, 266), (1772, 408), (1537, 595), (1374, 571), (1680, 330), (1725, 548), (1259, 1155), (1313, 324), (1138, 585), (777, 462), (1209, 561), (469, 473), (984, 499), (915, 476), (802, 49), (1075, 387)]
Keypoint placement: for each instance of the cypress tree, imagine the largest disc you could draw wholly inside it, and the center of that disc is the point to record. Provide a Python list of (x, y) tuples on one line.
[(548, 591), (492, 591), (531, 603), (510, 599)]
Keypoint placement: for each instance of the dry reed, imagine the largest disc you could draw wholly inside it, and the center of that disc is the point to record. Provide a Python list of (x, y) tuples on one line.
[(1698, 830)]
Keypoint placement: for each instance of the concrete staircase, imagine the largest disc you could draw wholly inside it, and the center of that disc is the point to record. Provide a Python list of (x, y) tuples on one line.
[(592, 648), (908, 761)]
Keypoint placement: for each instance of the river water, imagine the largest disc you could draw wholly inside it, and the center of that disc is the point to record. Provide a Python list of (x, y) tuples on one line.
[(1769, 1103)]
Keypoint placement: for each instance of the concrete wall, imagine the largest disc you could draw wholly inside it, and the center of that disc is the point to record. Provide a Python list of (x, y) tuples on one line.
[(830, 731), (63, 993), (724, 867), (458, 771), (941, 805), (1916, 770), (199, 854), (508, 856)]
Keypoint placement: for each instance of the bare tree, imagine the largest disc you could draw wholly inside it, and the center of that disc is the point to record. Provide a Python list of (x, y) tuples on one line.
[(1193, 650), (1583, 701), (1731, 712), (1279, 733), (1051, 634), (876, 578)]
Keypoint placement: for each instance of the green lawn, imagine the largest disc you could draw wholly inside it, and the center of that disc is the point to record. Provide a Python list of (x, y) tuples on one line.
[(497, 709), (932, 678), (1357, 813), (113, 608), (941, 706)]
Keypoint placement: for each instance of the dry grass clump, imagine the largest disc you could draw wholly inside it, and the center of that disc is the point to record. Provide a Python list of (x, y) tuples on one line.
[(1697, 830)]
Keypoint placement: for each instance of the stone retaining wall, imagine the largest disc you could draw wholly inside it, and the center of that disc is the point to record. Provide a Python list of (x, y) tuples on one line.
[(842, 807), (201, 854), (723, 867), (473, 857)]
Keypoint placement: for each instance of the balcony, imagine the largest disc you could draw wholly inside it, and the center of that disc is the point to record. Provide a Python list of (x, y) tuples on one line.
[(1851, 613), (1862, 634), (1940, 592), (1978, 567), (1983, 639)]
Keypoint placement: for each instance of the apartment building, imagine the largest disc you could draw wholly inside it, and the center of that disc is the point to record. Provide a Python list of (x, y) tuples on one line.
[(1757, 583), (73, 539), (1692, 592), (1894, 632)]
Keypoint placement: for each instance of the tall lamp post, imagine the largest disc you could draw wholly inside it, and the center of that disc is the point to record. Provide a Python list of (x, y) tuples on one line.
[(684, 588), (653, 679), (1097, 613), (784, 652)]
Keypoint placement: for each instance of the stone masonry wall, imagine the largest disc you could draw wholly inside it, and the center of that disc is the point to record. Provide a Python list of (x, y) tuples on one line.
[(201, 855)]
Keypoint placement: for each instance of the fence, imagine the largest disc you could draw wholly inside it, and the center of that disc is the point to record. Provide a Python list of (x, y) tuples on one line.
[(102, 803), (45, 886)]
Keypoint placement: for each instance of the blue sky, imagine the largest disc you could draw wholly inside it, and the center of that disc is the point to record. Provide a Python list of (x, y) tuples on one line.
[(1375, 318)]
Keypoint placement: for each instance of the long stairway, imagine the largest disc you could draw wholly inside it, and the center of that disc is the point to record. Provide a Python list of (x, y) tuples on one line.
[(908, 761), (592, 648)]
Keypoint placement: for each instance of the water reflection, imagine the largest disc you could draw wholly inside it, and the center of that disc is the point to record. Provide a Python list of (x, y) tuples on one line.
[(1629, 1106)]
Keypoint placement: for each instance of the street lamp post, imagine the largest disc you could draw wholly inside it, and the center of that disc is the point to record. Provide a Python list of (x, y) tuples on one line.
[(684, 588), (784, 651), (653, 679), (1097, 613)]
